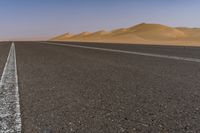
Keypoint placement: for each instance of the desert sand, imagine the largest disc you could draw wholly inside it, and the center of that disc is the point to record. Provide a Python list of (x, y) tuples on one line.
[(139, 34)]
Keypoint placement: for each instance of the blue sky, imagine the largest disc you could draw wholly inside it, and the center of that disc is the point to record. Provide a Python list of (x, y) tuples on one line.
[(30, 19)]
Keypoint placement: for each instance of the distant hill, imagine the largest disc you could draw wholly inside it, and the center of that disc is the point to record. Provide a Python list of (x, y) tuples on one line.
[(62, 37), (141, 33)]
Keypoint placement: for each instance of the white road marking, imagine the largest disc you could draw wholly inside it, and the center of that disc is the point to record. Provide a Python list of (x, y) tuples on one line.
[(10, 117), (130, 52)]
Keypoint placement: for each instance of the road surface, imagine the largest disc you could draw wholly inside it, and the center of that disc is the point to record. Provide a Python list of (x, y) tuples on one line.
[(4, 50), (105, 89)]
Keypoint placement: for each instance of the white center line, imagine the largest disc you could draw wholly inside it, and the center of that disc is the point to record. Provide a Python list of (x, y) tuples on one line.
[(10, 117), (130, 52)]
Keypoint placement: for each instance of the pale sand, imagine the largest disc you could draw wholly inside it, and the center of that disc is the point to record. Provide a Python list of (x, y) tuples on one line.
[(63, 37), (140, 34)]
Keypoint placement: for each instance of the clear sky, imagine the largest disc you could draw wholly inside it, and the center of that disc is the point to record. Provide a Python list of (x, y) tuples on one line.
[(33, 19)]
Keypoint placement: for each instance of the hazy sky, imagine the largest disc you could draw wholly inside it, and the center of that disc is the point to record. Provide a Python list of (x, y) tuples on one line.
[(24, 19)]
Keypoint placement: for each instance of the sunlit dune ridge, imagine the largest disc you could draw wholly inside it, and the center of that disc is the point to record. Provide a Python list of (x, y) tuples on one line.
[(140, 34)]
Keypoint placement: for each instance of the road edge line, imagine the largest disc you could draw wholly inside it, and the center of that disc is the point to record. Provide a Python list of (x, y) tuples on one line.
[(17, 123), (129, 52)]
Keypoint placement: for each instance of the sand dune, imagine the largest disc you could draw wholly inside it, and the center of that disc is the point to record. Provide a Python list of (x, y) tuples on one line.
[(63, 37), (99, 35), (80, 36), (156, 32), (141, 34), (191, 32)]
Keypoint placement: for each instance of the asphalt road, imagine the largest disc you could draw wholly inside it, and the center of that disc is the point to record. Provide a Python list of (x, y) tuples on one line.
[(182, 51), (4, 50), (75, 90)]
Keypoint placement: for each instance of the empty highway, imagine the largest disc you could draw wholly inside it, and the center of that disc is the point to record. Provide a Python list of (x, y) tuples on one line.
[(103, 88)]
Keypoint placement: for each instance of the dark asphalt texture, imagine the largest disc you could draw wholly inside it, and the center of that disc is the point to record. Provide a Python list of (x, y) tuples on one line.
[(4, 50), (74, 90), (183, 51)]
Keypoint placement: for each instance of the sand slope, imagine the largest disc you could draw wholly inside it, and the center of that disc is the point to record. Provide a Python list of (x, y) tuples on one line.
[(141, 33), (62, 37), (156, 32), (80, 36)]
